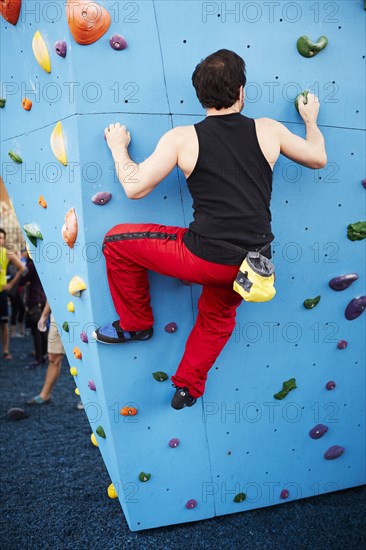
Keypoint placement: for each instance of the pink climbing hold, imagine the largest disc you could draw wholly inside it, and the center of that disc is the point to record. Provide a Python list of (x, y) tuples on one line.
[(364, 183), (191, 504), (117, 42), (334, 452), (61, 48), (284, 494), (84, 337), (91, 385), (174, 442), (330, 385), (171, 327), (342, 344)]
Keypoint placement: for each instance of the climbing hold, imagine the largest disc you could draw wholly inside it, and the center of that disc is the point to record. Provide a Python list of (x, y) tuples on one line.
[(112, 493), (84, 337), (240, 497), (363, 181), (77, 391), (128, 411), (40, 51), (174, 443), (61, 48), (117, 42), (330, 385), (58, 144), (16, 413), (2, 103), (69, 230), (342, 344), (286, 388), (102, 198), (94, 440), (355, 308), (284, 494), (144, 477), (88, 21), (10, 10), (76, 351), (91, 385), (160, 376), (101, 432), (318, 431), (356, 231), (33, 233), (42, 202), (304, 94), (334, 452), (343, 281), (76, 286), (171, 327), (311, 302), (307, 48), (71, 307), (65, 326), (73, 371), (191, 504), (15, 157), (26, 104)]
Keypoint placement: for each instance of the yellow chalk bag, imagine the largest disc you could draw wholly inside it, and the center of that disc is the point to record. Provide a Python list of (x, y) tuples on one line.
[(255, 279)]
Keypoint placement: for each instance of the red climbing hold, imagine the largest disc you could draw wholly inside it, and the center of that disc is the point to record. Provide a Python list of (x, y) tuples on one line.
[(171, 327)]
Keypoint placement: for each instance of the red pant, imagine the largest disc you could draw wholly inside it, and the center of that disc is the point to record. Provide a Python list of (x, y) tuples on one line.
[(130, 250)]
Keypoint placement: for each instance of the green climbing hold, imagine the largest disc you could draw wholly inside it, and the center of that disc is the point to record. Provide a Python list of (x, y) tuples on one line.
[(2, 103), (356, 231), (304, 94), (65, 326), (15, 157), (307, 48), (144, 477), (33, 233), (160, 376), (311, 302), (286, 388), (240, 497), (101, 432)]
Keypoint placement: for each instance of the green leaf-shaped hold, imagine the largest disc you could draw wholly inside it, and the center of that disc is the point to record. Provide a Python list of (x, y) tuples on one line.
[(2, 103), (144, 477), (33, 233), (101, 432), (15, 157), (286, 387), (311, 302), (240, 497), (160, 376), (65, 326), (356, 231), (304, 94), (307, 48)]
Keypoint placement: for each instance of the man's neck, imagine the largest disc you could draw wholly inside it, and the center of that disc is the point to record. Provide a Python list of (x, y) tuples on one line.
[(220, 112)]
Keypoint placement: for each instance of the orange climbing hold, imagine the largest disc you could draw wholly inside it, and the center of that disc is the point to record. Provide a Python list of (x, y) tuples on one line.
[(76, 351), (128, 411), (26, 104), (70, 228), (88, 21), (42, 202), (10, 10)]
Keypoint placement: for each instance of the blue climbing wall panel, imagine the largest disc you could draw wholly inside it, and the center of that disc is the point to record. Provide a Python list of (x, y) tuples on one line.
[(238, 438)]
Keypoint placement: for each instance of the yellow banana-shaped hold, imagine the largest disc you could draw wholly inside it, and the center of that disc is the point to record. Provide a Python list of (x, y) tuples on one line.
[(58, 144), (41, 52)]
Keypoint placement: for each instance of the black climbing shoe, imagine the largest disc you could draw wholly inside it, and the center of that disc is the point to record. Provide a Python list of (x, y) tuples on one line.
[(113, 334), (182, 399)]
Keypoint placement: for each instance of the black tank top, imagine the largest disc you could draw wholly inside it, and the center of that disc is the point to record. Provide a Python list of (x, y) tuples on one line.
[(231, 187)]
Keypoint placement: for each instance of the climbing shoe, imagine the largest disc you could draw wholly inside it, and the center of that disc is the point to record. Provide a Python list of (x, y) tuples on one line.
[(38, 401), (182, 399), (113, 334)]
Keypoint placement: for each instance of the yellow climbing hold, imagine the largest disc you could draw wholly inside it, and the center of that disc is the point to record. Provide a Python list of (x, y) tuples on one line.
[(77, 391), (71, 307), (73, 371), (76, 286), (58, 144), (112, 493), (94, 440), (41, 52)]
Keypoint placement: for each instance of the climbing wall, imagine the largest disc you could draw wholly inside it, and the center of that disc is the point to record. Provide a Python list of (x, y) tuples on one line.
[(239, 447)]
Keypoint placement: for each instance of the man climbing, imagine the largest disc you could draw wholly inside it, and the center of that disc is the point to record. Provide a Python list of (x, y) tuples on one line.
[(227, 160)]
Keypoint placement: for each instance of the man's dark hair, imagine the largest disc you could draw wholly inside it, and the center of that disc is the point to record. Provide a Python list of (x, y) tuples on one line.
[(3, 231), (217, 79)]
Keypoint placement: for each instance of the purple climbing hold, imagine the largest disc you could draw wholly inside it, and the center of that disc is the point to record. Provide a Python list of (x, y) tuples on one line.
[(117, 42), (191, 504), (364, 183), (102, 198), (92, 385), (334, 452), (284, 494), (342, 344), (171, 327), (318, 431), (355, 308), (343, 281), (61, 48), (174, 442), (330, 385), (84, 337)]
